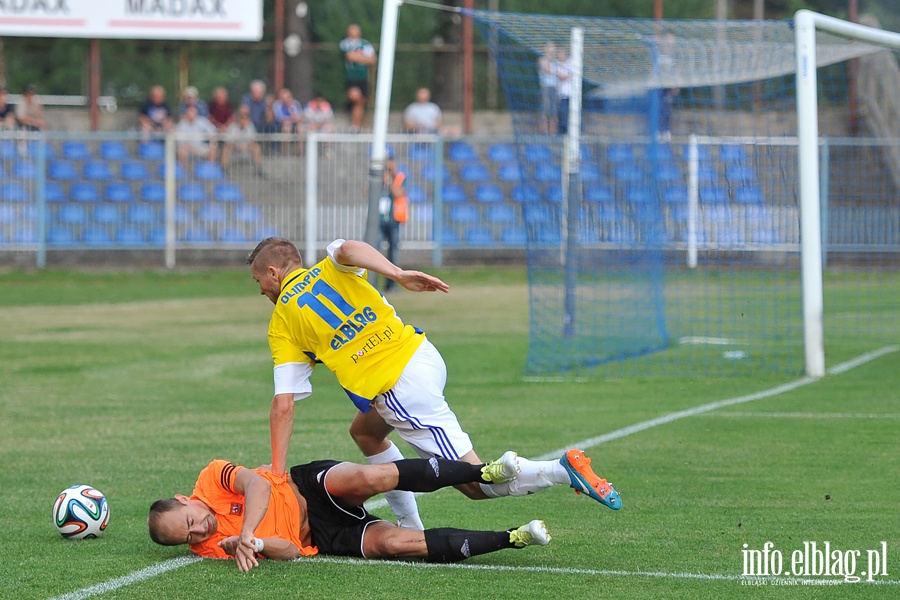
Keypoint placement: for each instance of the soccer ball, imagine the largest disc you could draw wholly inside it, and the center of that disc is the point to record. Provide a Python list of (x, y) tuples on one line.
[(80, 512)]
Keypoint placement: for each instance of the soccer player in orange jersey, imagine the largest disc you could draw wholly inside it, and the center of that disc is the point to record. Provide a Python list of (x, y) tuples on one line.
[(247, 514), (330, 314)]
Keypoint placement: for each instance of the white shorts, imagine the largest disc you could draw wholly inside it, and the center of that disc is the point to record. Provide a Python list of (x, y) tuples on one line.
[(416, 409)]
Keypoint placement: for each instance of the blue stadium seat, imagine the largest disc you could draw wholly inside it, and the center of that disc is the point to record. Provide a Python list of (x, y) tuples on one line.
[(34, 146), (192, 192), (607, 213), (212, 213), (513, 236), (639, 194), (732, 153), (84, 192), (153, 191), (740, 174), (616, 153), (61, 236), (449, 237), (501, 153), (24, 169), (129, 235), (197, 235), (428, 172), (133, 170), (8, 213), (452, 193), (142, 214), (227, 191), (525, 193), (72, 213), (629, 173), (183, 214), (663, 153), (266, 231), (157, 236), (464, 213), (509, 172), (489, 192), (207, 170), (748, 194), (461, 151), (598, 193), (96, 170), (415, 193), (479, 236), (13, 191), (106, 213), (53, 192), (151, 151), (675, 194), (706, 173), (586, 153), (591, 173), (24, 233), (501, 213), (179, 171), (118, 192), (420, 152), (75, 150), (553, 193), (8, 150), (233, 235), (61, 170), (247, 213), (96, 236), (113, 150), (540, 213), (548, 235), (667, 172), (713, 194), (538, 153), (474, 173), (545, 172)]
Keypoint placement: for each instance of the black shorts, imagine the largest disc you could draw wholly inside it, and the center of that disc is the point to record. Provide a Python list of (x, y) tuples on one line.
[(362, 84), (336, 527)]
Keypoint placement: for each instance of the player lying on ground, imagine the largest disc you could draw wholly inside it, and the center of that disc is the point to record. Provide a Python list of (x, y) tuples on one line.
[(244, 513)]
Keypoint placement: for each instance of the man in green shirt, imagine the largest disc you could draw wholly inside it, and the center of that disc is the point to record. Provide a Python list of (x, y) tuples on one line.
[(359, 55)]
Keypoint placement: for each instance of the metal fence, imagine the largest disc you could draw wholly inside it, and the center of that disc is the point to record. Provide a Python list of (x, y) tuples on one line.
[(61, 193)]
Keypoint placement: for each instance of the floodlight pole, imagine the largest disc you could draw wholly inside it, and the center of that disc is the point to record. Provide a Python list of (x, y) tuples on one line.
[(383, 84)]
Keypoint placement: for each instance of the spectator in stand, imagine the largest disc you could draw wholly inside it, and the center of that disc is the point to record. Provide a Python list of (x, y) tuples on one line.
[(318, 114), (30, 113), (359, 55), (154, 115), (241, 138), (196, 137), (260, 107), (548, 75), (7, 111), (221, 113), (191, 97), (423, 115), (288, 112), (563, 91)]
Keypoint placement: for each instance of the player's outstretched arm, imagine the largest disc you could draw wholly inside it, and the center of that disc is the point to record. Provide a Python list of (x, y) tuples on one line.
[(354, 253), (256, 491)]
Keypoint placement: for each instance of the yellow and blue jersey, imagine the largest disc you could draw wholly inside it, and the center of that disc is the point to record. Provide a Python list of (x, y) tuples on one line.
[(329, 313)]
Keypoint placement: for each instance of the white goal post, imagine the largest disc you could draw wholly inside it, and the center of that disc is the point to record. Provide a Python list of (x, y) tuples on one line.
[(806, 23)]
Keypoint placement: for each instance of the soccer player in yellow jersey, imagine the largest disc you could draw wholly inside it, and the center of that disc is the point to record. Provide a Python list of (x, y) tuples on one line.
[(330, 314)]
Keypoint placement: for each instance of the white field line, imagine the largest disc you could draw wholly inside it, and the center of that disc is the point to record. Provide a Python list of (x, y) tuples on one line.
[(175, 563), (782, 579), (114, 584), (805, 415)]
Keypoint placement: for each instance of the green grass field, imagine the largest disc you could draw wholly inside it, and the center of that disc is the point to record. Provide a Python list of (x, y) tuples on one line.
[(132, 382)]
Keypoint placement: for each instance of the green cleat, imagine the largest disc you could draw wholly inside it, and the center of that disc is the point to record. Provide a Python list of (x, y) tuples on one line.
[(533, 533), (506, 468)]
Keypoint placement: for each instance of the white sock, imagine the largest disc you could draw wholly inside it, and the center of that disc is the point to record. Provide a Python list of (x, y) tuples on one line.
[(403, 503), (535, 475)]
